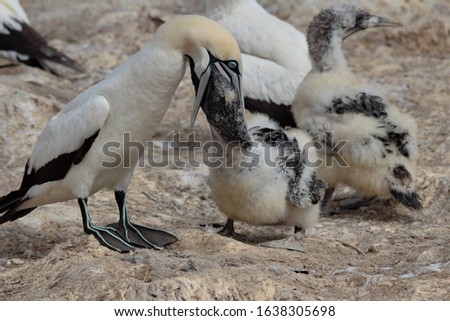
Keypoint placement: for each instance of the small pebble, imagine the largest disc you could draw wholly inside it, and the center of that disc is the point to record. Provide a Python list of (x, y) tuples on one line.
[(17, 261)]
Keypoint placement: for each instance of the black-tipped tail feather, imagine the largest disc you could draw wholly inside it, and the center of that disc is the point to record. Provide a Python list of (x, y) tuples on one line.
[(410, 200), (30, 45), (49, 53), (10, 202)]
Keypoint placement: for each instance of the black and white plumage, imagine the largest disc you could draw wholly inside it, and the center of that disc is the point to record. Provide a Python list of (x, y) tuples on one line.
[(69, 160), (19, 41), (264, 178), (334, 106), (274, 53)]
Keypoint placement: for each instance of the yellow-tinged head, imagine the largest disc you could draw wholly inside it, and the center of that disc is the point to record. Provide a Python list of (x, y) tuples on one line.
[(208, 47), (194, 35)]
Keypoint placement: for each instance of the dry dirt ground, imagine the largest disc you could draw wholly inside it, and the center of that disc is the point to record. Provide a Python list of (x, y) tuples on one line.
[(383, 252)]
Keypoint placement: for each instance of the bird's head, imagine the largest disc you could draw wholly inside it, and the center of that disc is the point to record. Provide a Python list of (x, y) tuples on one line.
[(343, 20), (350, 19), (334, 24), (207, 46)]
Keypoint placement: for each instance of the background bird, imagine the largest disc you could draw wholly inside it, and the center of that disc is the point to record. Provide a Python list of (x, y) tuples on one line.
[(71, 159), (335, 106), (275, 56), (20, 42), (264, 178)]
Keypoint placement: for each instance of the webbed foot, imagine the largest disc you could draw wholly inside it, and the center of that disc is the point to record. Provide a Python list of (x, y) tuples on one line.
[(292, 243), (110, 238), (228, 231), (143, 236)]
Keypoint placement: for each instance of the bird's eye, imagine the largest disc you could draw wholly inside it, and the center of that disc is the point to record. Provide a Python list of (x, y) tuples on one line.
[(359, 19), (232, 64)]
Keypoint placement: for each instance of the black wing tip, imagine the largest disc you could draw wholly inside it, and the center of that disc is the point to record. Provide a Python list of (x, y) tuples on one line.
[(10, 202), (11, 199), (31, 43), (410, 200), (13, 214), (56, 56)]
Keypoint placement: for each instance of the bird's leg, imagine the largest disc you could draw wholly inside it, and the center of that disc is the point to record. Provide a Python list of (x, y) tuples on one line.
[(137, 234), (355, 202), (107, 236), (348, 203), (228, 231), (292, 242), (327, 198)]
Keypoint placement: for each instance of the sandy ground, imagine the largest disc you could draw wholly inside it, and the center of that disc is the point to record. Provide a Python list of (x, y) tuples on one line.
[(383, 252)]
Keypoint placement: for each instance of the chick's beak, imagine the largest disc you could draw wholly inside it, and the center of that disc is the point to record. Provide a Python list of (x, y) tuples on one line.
[(372, 22), (377, 21)]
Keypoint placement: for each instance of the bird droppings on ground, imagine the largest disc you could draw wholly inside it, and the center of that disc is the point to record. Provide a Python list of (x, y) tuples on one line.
[(381, 252)]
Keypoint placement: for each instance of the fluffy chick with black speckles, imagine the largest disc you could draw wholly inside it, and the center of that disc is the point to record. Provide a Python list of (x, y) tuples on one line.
[(334, 106), (264, 177)]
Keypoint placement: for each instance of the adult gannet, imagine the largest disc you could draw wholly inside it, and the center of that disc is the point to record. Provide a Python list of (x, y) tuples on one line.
[(275, 55), (264, 177), (69, 159), (335, 106), (20, 42)]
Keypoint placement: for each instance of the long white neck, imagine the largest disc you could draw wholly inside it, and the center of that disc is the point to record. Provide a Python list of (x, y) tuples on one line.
[(141, 89), (150, 79)]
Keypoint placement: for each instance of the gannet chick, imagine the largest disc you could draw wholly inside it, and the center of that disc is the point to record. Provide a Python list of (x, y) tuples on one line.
[(264, 178), (71, 159), (275, 56), (335, 106), (20, 42)]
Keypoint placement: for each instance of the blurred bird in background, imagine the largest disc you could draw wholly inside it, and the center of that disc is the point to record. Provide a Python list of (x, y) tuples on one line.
[(20, 42)]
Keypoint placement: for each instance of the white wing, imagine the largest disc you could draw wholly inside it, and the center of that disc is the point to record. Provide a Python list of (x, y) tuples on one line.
[(268, 81), (275, 56), (67, 131), (261, 34)]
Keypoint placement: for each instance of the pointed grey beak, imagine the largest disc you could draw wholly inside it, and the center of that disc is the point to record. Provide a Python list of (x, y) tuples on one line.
[(204, 79), (372, 22), (376, 21)]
